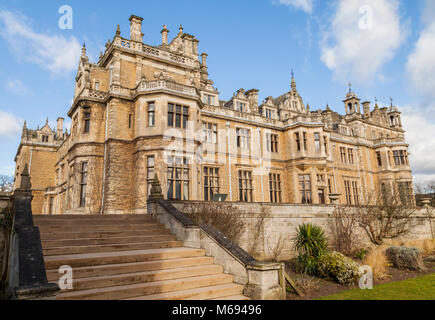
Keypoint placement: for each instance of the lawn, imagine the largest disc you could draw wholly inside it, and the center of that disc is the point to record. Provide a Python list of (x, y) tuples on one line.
[(421, 288)]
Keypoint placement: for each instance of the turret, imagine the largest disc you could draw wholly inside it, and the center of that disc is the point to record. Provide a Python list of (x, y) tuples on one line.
[(352, 102)]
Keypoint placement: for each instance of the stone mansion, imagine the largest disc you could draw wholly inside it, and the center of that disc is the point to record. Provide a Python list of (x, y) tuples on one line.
[(143, 110)]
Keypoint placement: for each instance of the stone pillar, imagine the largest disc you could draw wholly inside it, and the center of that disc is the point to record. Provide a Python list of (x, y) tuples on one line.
[(264, 281), (27, 279)]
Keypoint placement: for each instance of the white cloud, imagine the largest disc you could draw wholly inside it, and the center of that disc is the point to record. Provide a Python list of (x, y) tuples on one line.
[(17, 87), (10, 126), (361, 38), (419, 135), (304, 5), (53, 52), (421, 62)]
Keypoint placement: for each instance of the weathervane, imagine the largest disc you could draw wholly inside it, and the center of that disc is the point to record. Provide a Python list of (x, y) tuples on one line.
[(350, 87), (391, 101)]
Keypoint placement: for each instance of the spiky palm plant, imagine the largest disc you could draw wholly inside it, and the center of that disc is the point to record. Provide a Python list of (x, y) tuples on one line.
[(311, 243)]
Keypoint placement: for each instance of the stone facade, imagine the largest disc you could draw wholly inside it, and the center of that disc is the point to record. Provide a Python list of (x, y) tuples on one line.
[(143, 110)]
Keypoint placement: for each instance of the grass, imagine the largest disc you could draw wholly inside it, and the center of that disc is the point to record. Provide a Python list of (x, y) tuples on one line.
[(421, 288)]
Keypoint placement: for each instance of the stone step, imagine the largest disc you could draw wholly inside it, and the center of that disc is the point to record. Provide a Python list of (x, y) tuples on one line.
[(149, 288), (114, 269), (127, 227), (90, 217), (143, 277), (211, 292), (155, 230), (111, 247), (103, 241), (85, 222), (109, 258)]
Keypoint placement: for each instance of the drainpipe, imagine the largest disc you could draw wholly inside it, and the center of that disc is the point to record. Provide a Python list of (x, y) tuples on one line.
[(229, 160)]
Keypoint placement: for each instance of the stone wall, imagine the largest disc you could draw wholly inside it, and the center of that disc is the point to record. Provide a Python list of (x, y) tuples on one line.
[(282, 221)]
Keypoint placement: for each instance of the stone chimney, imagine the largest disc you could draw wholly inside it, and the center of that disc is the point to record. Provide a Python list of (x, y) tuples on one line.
[(59, 131), (366, 108), (195, 46), (252, 96), (164, 33), (136, 29), (204, 59)]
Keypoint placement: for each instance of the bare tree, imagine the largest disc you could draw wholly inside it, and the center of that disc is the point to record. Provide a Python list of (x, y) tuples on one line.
[(387, 213), (344, 227), (6, 183)]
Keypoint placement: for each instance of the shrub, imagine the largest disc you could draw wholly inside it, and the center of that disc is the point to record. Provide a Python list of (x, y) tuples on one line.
[(426, 246), (339, 267), (377, 260), (405, 258), (311, 243), (224, 217)]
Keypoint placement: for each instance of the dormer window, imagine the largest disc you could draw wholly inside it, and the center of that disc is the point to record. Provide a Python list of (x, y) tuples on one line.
[(269, 113), (208, 99), (240, 106), (44, 138)]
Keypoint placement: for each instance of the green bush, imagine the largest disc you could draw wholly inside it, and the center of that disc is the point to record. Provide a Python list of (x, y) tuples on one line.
[(339, 267), (311, 243)]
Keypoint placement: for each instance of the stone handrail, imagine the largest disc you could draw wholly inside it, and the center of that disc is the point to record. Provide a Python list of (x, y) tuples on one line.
[(261, 281)]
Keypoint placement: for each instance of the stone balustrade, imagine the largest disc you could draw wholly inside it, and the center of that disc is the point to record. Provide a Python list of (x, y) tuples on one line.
[(147, 86)]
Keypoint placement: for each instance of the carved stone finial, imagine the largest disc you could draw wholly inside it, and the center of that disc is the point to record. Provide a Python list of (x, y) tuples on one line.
[(156, 190), (293, 86), (118, 30), (181, 29)]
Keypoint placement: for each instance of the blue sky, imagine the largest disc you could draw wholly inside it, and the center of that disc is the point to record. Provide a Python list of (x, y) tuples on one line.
[(383, 47)]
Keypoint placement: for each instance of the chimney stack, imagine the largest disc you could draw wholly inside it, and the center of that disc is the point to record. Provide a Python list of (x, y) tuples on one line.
[(136, 29), (164, 33), (204, 59), (59, 131), (366, 108)]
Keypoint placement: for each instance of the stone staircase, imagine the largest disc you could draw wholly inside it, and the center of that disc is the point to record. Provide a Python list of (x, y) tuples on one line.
[(129, 257)]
